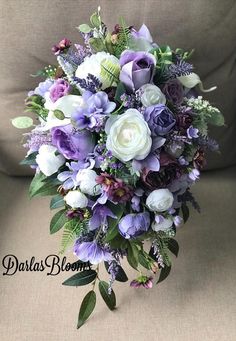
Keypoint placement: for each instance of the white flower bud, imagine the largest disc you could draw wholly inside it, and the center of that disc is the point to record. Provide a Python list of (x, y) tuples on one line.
[(87, 182), (48, 162), (76, 199), (160, 200)]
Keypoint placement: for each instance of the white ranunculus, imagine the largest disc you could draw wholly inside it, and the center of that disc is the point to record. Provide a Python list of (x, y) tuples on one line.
[(67, 104), (48, 162), (92, 64), (164, 224), (129, 136), (151, 94), (87, 182), (76, 199), (160, 200), (191, 80)]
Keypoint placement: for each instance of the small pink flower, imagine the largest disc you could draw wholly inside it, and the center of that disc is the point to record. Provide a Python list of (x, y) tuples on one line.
[(142, 281)]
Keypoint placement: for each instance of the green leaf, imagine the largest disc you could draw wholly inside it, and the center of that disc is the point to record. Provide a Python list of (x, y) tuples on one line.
[(110, 71), (143, 259), (57, 202), (121, 275), (81, 278), (216, 119), (120, 90), (30, 159), (22, 122), (97, 44), (59, 114), (185, 212), (39, 186), (58, 221), (173, 246), (72, 229), (109, 299), (95, 20), (132, 255), (164, 274), (86, 308), (84, 28), (112, 223)]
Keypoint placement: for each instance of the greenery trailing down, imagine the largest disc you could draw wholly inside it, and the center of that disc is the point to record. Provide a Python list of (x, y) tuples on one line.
[(82, 278), (86, 308), (121, 275), (108, 297), (41, 186), (57, 201), (58, 221), (71, 230)]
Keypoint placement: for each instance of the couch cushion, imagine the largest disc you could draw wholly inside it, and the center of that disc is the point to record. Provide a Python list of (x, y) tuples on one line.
[(196, 302), (30, 28)]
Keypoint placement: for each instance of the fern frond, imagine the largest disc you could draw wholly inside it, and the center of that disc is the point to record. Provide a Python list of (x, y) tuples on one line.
[(72, 229), (110, 71)]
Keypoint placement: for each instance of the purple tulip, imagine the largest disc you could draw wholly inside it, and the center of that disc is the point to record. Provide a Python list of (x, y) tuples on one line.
[(91, 252), (160, 119), (133, 225), (75, 145), (59, 89), (137, 69)]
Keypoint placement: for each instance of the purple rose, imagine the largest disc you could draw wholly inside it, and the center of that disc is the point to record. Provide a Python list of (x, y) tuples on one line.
[(174, 92), (133, 225), (137, 69), (59, 89), (160, 119), (75, 145)]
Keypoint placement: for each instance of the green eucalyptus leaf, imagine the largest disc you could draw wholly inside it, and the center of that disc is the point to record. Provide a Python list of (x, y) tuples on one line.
[(58, 221), (22, 122), (86, 308), (109, 298), (97, 44), (95, 20), (81, 278), (59, 114), (84, 28), (57, 202)]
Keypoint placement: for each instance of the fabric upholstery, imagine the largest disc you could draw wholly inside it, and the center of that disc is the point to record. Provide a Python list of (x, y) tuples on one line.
[(30, 27), (196, 302)]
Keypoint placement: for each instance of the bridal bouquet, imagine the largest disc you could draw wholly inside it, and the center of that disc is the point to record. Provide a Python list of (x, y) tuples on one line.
[(120, 138)]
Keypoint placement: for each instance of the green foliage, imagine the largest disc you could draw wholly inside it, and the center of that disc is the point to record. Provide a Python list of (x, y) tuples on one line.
[(109, 298), (41, 186), (97, 44), (57, 202), (122, 41), (184, 54), (84, 28), (71, 230), (35, 104), (133, 255), (86, 308), (185, 212), (58, 221), (59, 114), (113, 231), (48, 72), (162, 241), (173, 246), (30, 159), (110, 71), (145, 260), (22, 122), (163, 55), (164, 273), (120, 90), (82, 278)]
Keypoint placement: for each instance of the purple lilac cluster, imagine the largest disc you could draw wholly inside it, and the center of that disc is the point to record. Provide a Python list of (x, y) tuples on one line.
[(121, 138)]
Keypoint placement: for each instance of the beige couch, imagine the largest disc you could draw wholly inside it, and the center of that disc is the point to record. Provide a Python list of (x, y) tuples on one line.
[(197, 301)]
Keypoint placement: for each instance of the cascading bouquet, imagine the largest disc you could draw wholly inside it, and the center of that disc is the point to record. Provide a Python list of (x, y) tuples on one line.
[(121, 137)]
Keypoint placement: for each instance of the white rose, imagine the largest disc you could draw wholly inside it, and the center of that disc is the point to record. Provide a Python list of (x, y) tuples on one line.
[(160, 200), (92, 64), (129, 136), (48, 162), (164, 224), (151, 94), (87, 182), (76, 199), (67, 104)]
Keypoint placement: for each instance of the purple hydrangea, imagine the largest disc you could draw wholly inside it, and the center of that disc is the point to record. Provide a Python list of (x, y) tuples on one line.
[(72, 144), (133, 225), (160, 119), (59, 89), (42, 88)]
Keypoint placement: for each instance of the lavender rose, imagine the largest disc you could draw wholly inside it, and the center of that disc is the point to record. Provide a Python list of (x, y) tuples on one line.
[(75, 145), (174, 92), (160, 119), (59, 89), (133, 225), (137, 69)]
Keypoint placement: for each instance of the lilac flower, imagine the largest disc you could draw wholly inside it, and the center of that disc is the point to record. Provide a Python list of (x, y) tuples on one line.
[(93, 115), (59, 89), (90, 83), (92, 252), (69, 177), (192, 132), (174, 92), (75, 145), (42, 88), (133, 225), (137, 69), (99, 218), (36, 139), (194, 174), (160, 119), (142, 281)]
